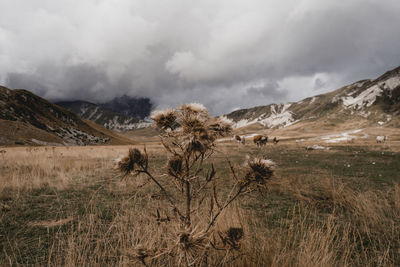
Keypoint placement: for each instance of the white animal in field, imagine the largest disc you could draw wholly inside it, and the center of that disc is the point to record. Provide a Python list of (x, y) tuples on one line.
[(381, 138)]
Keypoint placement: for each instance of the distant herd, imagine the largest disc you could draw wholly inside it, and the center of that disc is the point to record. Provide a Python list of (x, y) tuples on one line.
[(259, 140), (262, 140)]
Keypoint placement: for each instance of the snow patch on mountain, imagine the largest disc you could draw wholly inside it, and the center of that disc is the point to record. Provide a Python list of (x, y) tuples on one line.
[(391, 83), (368, 96), (126, 125), (280, 117), (92, 114), (365, 99)]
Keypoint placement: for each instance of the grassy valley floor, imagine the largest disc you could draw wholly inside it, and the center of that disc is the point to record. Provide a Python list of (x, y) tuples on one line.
[(335, 207)]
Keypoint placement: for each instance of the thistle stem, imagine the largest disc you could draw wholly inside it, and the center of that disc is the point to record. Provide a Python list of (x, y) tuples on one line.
[(212, 222), (165, 192)]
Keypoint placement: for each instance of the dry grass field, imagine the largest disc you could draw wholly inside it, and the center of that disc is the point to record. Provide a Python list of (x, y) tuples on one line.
[(69, 206)]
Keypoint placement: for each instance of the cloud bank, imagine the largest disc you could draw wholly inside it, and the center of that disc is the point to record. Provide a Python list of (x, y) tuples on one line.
[(226, 54)]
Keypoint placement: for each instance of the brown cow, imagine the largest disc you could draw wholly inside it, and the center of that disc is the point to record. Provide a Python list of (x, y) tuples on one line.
[(276, 140), (260, 140)]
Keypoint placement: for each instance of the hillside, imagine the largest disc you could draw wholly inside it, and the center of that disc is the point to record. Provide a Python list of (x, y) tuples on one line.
[(129, 106), (121, 113), (103, 116), (27, 119), (375, 102)]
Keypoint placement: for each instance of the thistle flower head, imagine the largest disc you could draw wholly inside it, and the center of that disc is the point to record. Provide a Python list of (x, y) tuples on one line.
[(175, 166), (235, 234), (134, 161), (192, 125), (194, 108), (259, 170), (197, 146), (164, 119), (219, 127), (191, 240), (232, 237)]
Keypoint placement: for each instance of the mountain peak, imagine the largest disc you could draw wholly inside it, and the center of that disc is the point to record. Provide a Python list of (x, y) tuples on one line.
[(121, 113), (130, 106)]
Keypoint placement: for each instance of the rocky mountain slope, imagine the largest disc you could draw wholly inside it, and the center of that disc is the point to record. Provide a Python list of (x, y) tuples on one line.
[(376, 101), (100, 115), (120, 114), (129, 106), (27, 119)]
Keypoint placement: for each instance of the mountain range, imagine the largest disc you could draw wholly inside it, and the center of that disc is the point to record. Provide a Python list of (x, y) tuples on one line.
[(27, 119), (120, 114), (372, 101)]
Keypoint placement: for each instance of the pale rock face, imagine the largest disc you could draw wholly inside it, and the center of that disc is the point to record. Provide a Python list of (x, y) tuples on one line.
[(76, 137), (368, 96), (280, 117)]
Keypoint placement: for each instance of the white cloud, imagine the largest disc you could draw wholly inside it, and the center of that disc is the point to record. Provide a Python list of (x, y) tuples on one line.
[(225, 53)]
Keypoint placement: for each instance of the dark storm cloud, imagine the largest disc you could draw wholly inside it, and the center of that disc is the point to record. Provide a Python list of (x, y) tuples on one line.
[(226, 54)]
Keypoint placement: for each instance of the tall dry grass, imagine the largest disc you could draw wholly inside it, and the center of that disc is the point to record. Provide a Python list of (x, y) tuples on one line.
[(329, 223)]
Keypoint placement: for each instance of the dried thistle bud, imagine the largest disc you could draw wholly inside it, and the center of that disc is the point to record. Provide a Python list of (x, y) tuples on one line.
[(260, 170), (193, 125), (175, 166), (234, 234), (194, 108), (191, 240), (197, 146), (165, 119), (134, 161), (220, 127), (142, 253), (232, 237)]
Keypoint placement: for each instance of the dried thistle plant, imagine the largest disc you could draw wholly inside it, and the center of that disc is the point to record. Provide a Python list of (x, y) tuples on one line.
[(134, 162), (175, 166), (259, 171), (231, 237), (164, 119), (189, 134)]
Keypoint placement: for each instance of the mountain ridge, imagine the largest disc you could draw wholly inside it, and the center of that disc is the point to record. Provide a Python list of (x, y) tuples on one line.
[(375, 99), (120, 114), (26, 118)]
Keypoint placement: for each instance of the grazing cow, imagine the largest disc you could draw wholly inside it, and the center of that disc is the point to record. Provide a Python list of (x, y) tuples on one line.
[(381, 138), (239, 139), (276, 140), (260, 140), (236, 138)]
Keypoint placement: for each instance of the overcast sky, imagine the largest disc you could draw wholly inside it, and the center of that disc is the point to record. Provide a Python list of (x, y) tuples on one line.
[(225, 54)]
